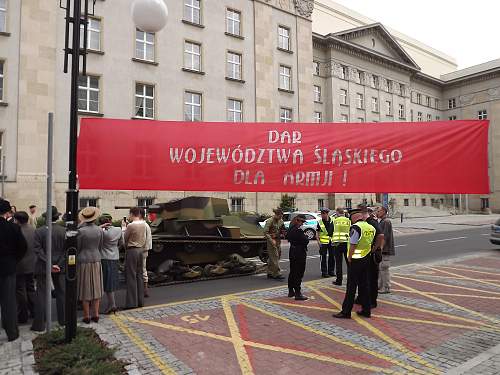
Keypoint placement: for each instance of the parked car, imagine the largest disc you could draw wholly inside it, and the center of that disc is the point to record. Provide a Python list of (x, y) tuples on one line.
[(495, 233), (309, 226)]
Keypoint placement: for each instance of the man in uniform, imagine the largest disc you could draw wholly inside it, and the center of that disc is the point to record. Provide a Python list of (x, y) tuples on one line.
[(361, 236), (340, 239), (272, 230), (324, 233)]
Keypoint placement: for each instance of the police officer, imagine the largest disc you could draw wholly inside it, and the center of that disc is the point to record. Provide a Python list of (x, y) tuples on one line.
[(298, 254), (361, 236), (340, 239), (272, 231), (324, 233)]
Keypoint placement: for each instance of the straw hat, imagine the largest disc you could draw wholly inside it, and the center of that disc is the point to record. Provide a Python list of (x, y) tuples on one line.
[(89, 214)]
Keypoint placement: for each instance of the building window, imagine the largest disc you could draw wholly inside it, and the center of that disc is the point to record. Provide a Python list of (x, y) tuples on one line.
[(234, 110), (317, 93), (428, 101), (388, 107), (285, 78), (485, 203), (375, 81), (390, 85), (429, 117), (93, 34), (1, 80), (192, 106), (285, 115), (402, 114), (3, 15), (452, 103), (192, 56), (359, 77), (360, 101), (88, 202), (419, 98), (343, 72), (452, 118), (457, 203), (144, 45), (343, 96), (436, 103), (318, 117), (375, 104), (284, 38), (316, 68), (88, 94), (237, 204), (438, 118), (192, 11), (234, 65), (144, 101), (482, 114), (344, 118), (419, 116), (321, 204), (406, 202), (233, 22), (424, 202), (145, 201), (403, 89), (348, 203), (361, 119)]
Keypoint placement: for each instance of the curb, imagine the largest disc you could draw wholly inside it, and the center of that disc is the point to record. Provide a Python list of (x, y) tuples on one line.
[(479, 359)]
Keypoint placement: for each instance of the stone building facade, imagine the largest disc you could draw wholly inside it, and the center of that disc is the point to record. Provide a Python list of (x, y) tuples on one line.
[(231, 60)]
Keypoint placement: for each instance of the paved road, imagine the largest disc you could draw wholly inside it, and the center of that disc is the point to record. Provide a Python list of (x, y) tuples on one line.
[(416, 248)]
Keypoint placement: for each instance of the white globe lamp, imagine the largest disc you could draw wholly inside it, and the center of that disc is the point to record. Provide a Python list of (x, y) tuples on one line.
[(149, 15)]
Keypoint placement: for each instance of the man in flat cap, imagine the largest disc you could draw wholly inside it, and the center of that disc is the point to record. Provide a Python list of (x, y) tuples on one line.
[(361, 237), (272, 230)]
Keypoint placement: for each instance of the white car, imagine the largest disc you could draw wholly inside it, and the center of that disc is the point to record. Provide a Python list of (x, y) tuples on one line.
[(309, 226)]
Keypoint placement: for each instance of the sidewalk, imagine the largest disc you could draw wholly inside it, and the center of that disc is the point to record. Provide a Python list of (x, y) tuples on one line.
[(440, 318), (443, 223)]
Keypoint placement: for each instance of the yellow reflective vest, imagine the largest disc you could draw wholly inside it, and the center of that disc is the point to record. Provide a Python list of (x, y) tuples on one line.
[(323, 233), (364, 245), (341, 227)]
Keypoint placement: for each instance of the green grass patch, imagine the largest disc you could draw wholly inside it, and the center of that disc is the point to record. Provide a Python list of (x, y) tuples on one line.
[(85, 355)]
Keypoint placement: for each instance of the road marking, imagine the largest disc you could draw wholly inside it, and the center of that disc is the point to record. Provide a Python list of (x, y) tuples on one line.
[(450, 294), (401, 245), (162, 366), (469, 270), (485, 234), (495, 284), (239, 346), (447, 239)]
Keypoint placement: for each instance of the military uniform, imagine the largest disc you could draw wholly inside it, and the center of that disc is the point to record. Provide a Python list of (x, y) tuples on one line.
[(272, 231), (340, 239)]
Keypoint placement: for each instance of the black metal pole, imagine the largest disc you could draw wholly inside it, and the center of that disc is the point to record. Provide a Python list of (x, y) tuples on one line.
[(72, 192)]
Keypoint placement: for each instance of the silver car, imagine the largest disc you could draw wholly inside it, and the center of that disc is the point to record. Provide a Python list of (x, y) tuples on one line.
[(495, 233), (309, 226)]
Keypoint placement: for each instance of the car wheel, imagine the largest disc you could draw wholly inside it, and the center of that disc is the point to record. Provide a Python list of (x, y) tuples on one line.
[(310, 234)]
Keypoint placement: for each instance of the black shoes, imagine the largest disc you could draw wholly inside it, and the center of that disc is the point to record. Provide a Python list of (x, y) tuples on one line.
[(95, 319), (341, 315), (300, 297), (291, 293), (86, 320), (325, 275), (337, 282), (373, 305), (279, 277), (366, 314)]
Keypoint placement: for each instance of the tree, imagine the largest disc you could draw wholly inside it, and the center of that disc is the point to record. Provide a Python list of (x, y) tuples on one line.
[(287, 202)]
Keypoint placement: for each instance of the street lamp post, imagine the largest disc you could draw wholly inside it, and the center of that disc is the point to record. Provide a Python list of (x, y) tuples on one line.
[(149, 16)]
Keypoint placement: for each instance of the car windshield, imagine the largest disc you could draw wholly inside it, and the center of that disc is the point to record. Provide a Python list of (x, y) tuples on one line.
[(497, 222)]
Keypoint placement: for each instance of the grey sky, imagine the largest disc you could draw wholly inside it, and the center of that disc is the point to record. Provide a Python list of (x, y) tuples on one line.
[(469, 31)]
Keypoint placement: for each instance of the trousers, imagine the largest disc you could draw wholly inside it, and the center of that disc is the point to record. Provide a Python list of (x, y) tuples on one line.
[(384, 279), (25, 296), (273, 251), (58, 280), (327, 259), (144, 269), (357, 279), (340, 253), (373, 274), (8, 307), (134, 275), (297, 270)]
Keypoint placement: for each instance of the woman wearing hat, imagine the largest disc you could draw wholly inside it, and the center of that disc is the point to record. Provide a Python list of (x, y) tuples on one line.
[(89, 270)]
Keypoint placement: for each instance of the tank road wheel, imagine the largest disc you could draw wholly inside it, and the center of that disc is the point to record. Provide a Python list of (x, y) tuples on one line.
[(157, 247), (245, 248), (218, 247), (263, 256), (310, 234), (189, 248)]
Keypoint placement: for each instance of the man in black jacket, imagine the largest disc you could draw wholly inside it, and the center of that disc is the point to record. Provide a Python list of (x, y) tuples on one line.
[(298, 253), (12, 249)]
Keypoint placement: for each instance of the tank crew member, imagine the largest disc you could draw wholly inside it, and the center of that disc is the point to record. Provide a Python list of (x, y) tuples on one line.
[(324, 233), (298, 253), (272, 230), (340, 239), (361, 238)]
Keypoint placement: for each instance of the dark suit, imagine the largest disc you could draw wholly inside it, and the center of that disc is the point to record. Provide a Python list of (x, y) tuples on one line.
[(298, 254), (12, 249), (25, 281), (58, 258)]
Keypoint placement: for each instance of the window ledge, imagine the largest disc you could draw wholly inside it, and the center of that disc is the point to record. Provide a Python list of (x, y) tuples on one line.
[(345, 105), (141, 118), (95, 52), (377, 112), (3, 104), (285, 50), (390, 115), (91, 114), (4, 33), (404, 118), (144, 61), (318, 102), (193, 71), (361, 109), (199, 25), (287, 91), (235, 35), (235, 80)]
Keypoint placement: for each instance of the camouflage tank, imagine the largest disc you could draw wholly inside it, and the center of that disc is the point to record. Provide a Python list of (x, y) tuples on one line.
[(200, 230)]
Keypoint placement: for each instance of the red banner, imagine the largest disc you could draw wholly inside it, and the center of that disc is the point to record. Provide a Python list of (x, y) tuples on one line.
[(435, 157)]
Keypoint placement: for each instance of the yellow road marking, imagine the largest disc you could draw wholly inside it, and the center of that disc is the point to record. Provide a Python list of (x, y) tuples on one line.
[(162, 366), (449, 303), (380, 334), (465, 277), (239, 347), (470, 270), (446, 285), (449, 294), (434, 274), (336, 339)]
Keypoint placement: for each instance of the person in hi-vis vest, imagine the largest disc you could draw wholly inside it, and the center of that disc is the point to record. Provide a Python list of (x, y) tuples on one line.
[(324, 232), (361, 238), (340, 239)]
